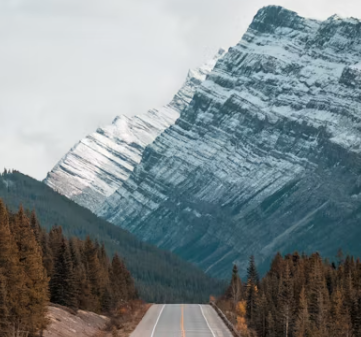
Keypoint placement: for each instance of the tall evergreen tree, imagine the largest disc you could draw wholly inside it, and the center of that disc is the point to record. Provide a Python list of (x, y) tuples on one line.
[(34, 295), (35, 226), (93, 273), (118, 281), (5, 318), (131, 289), (260, 319), (105, 295), (340, 317), (271, 331), (55, 239), (318, 297), (252, 289), (235, 288), (286, 300), (11, 274), (63, 283), (302, 327), (47, 252)]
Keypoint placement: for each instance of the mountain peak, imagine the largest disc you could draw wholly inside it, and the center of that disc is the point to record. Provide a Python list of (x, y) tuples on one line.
[(265, 157), (338, 18), (243, 170), (97, 166), (120, 118), (269, 18), (339, 34)]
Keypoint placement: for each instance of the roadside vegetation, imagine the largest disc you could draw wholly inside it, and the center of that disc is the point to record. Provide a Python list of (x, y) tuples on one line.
[(159, 276), (38, 266), (300, 296)]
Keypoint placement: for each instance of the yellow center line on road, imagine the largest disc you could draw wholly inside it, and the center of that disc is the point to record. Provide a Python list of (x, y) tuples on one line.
[(182, 321)]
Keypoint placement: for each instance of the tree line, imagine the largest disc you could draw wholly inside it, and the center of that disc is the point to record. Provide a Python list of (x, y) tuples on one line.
[(300, 296), (160, 276), (38, 266)]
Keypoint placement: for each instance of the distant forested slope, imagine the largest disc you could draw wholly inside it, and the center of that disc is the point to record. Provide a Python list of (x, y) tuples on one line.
[(160, 276)]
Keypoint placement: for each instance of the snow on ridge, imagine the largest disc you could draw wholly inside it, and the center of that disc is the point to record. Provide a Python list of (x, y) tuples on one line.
[(275, 108), (356, 66), (346, 19), (278, 106), (98, 164)]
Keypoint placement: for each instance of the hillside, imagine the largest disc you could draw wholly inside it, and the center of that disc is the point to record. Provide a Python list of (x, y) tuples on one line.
[(265, 158), (160, 276)]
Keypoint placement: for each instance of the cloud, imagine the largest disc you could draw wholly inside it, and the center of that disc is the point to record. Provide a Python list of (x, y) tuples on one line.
[(68, 66)]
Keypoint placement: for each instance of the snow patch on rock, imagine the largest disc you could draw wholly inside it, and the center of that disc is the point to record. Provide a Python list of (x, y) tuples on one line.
[(99, 164)]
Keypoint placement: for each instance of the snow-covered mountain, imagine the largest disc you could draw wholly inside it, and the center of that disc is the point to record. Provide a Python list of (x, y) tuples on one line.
[(267, 155), (99, 164)]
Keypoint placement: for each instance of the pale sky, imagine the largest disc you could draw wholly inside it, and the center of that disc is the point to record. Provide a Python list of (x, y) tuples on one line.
[(70, 66)]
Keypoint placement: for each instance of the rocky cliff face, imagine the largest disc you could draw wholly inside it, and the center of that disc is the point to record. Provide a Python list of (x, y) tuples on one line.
[(99, 164), (266, 156)]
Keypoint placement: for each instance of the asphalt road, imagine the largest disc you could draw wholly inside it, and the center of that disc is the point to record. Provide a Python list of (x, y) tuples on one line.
[(181, 320)]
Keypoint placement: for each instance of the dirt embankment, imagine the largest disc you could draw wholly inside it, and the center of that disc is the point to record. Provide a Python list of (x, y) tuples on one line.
[(67, 323)]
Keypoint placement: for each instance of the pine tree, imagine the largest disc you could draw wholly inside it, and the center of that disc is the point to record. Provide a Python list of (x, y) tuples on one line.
[(355, 311), (93, 274), (277, 266), (118, 281), (340, 257), (302, 317), (341, 320), (132, 292), (286, 299), (318, 297), (252, 273), (4, 307), (55, 240), (63, 283), (105, 291), (261, 314), (6, 250), (79, 272), (271, 331), (252, 289), (34, 297), (11, 275), (234, 291), (35, 226), (47, 252)]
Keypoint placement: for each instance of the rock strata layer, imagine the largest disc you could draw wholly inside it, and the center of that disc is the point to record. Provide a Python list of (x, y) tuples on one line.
[(267, 155), (99, 164)]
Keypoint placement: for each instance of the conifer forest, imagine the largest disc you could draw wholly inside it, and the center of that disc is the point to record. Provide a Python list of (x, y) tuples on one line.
[(180, 168), (299, 296), (159, 275), (37, 267)]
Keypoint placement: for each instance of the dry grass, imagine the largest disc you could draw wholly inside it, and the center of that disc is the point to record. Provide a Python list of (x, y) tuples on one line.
[(126, 318)]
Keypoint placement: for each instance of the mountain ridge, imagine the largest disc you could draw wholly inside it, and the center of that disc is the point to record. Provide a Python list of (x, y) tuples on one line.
[(160, 276), (265, 157), (98, 164)]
